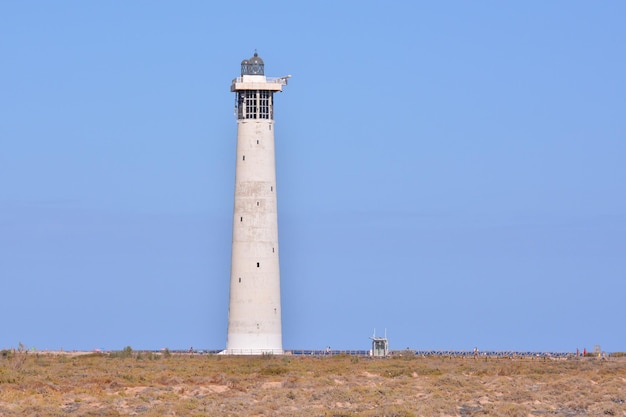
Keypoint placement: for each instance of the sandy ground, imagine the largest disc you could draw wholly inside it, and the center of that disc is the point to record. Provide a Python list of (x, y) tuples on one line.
[(75, 383)]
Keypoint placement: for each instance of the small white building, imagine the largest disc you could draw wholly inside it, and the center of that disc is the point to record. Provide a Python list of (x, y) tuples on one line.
[(380, 346)]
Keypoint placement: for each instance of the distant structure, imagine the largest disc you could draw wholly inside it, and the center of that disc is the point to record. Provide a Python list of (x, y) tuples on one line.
[(254, 315), (380, 345)]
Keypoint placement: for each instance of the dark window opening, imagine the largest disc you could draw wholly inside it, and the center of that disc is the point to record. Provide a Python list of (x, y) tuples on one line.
[(272, 188), (255, 104), (241, 219), (258, 264), (244, 157), (257, 141), (257, 203), (251, 104), (264, 104), (239, 279)]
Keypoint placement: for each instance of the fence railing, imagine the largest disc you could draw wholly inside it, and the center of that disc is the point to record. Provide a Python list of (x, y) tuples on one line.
[(361, 352), (270, 80)]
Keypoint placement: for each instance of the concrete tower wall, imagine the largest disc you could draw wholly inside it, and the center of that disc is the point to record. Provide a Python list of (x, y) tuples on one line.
[(254, 323)]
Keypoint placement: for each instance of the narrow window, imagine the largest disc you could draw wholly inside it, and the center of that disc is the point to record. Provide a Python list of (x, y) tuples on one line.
[(272, 188), (272, 250), (244, 157), (264, 104), (257, 141), (239, 279), (257, 203), (241, 219), (258, 264)]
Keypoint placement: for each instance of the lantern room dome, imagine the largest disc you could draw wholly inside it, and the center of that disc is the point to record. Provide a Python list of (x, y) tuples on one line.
[(256, 59), (253, 66)]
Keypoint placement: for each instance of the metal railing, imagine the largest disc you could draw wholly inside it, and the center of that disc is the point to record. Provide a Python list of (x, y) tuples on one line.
[(272, 80)]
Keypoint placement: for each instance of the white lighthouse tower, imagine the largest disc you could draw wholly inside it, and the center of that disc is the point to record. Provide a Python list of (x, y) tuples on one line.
[(254, 315)]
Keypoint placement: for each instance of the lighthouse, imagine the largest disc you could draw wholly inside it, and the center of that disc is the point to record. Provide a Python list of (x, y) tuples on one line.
[(254, 314)]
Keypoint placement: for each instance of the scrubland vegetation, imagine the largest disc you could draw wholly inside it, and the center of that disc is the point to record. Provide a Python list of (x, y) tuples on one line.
[(130, 383)]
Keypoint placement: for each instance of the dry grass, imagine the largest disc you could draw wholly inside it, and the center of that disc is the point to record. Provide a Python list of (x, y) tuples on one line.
[(181, 385)]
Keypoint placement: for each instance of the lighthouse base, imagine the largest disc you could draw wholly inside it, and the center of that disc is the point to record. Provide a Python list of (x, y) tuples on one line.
[(250, 352), (253, 344)]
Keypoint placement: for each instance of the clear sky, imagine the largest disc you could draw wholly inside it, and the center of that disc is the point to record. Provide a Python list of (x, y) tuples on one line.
[(451, 171)]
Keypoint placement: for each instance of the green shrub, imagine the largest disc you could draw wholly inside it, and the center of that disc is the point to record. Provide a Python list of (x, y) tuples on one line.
[(127, 352), (273, 370)]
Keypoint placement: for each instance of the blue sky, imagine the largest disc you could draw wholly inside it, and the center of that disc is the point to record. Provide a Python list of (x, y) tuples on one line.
[(452, 172)]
